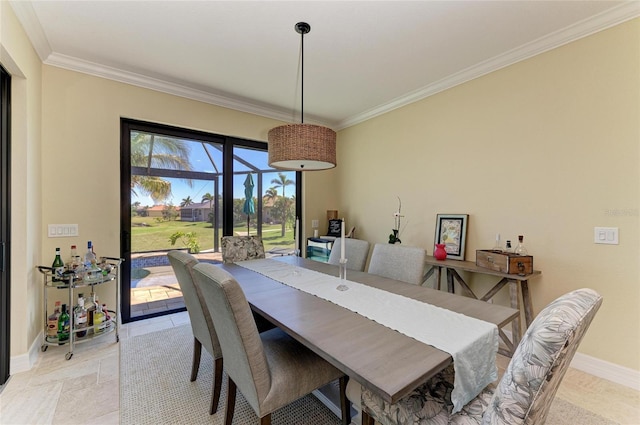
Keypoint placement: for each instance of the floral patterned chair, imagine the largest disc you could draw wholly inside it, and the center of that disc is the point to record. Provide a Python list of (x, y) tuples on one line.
[(240, 248), (529, 384)]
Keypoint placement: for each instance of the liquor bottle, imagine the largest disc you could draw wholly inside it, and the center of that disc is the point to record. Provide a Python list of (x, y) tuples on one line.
[(89, 257), (507, 248), (75, 260), (497, 247), (52, 321), (90, 306), (98, 320), (80, 316), (520, 248), (58, 267), (63, 325)]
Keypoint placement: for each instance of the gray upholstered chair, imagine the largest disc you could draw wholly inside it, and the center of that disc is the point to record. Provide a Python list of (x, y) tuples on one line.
[(201, 324), (357, 252), (270, 369), (395, 261), (240, 248), (527, 388)]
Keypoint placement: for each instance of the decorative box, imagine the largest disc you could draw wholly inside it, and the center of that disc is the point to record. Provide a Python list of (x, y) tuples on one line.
[(504, 262)]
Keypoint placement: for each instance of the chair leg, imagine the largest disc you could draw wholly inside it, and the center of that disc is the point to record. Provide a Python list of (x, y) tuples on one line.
[(344, 403), (217, 386), (366, 419), (231, 401), (197, 349), (266, 420)]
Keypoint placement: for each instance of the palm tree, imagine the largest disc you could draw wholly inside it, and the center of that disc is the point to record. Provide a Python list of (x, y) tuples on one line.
[(282, 181), (207, 197), (151, 151), (186, 201)]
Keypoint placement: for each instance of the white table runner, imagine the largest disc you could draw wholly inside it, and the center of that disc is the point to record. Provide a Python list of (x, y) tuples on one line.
[(471, 342)]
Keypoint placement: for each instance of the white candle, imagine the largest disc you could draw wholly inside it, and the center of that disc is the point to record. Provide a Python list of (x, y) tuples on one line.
[(295, 248), (342, 244)]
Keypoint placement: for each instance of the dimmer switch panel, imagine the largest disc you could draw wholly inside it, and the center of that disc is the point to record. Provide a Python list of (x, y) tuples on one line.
[(63, 230)]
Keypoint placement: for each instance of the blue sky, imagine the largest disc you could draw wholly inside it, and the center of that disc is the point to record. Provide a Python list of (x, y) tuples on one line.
[(200, 162)]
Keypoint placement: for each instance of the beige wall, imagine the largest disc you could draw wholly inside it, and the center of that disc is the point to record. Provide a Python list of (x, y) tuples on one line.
[(547, 148), (21, 61), (553, 119)]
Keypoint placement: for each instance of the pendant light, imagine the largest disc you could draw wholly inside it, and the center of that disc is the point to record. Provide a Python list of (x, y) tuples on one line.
[(302, 147)]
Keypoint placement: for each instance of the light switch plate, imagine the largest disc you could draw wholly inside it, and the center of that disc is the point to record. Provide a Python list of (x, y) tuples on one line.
[(62, 230), (605, 235)]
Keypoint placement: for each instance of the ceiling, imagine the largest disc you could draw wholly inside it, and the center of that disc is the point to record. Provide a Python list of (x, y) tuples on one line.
[(361, 58)]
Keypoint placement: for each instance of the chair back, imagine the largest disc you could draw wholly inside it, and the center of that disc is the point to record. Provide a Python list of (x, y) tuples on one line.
[(529, 384), (241, 248), (405, 263), (244, 359), (201, 322), (357, 252)]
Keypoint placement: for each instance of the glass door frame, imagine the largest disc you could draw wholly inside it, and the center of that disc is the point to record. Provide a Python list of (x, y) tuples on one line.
[(5, 224), (227, 142)]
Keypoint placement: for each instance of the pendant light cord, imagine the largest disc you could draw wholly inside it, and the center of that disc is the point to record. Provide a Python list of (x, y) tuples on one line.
[(302, 81)]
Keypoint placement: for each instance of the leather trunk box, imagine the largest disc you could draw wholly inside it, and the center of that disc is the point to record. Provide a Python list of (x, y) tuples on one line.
[(504, 262)]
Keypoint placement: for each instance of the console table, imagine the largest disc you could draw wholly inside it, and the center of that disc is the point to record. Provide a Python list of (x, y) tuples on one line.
[(518, 289)]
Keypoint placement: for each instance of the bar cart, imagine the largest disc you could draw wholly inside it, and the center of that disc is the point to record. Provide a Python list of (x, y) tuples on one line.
[(107, 270)]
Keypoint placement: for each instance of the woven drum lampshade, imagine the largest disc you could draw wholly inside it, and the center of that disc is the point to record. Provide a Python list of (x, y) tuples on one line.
[(302, 147)]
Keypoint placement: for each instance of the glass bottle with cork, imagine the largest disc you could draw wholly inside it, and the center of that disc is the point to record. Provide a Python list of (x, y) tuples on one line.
[(520, 248)]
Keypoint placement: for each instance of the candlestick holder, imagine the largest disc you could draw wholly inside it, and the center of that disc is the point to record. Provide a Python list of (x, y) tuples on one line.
[(343, 275)]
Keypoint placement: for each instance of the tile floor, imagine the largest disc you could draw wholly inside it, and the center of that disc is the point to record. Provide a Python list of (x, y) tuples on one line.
[(84, 390)]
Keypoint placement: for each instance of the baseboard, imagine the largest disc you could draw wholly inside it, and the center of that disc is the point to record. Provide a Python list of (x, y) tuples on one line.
[(25, 362), (603, 369), (606, 370)]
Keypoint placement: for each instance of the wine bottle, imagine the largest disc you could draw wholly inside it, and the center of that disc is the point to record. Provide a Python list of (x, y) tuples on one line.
[(58, 267), (63, 325)]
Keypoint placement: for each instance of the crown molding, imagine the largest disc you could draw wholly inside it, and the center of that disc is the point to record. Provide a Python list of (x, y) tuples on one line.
[(164, 86), (31, 24), (589, 26)]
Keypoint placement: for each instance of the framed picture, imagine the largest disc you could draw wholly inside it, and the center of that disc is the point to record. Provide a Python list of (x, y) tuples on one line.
[(451, 230)]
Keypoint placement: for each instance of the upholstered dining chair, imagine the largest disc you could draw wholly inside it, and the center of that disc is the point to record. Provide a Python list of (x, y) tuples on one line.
[(240, 248), (270, 369), (201, 324), (357, 252), (404, 263), (527, 388)]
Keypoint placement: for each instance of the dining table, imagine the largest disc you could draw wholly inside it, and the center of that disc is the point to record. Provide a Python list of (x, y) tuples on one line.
[(387, 362)]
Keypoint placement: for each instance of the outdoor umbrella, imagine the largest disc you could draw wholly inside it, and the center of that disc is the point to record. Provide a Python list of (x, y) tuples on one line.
[(249, 207)]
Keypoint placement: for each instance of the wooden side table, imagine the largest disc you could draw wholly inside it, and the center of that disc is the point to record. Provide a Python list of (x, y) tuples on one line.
[(518, 290)]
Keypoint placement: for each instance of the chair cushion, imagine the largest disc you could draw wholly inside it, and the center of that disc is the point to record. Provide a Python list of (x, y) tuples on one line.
[(531, 380), (241, 248)]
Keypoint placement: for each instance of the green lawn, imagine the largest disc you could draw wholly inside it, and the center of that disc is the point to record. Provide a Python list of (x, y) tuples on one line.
[(149, 235)]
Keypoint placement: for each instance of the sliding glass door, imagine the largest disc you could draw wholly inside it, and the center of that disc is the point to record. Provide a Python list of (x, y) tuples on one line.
[(5, 201), (184, 189)]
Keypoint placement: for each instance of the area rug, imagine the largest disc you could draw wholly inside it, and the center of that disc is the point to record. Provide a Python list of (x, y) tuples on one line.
[(155, 389)]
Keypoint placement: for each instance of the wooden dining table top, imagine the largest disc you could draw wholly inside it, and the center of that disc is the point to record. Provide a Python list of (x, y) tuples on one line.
[(383, 360)]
